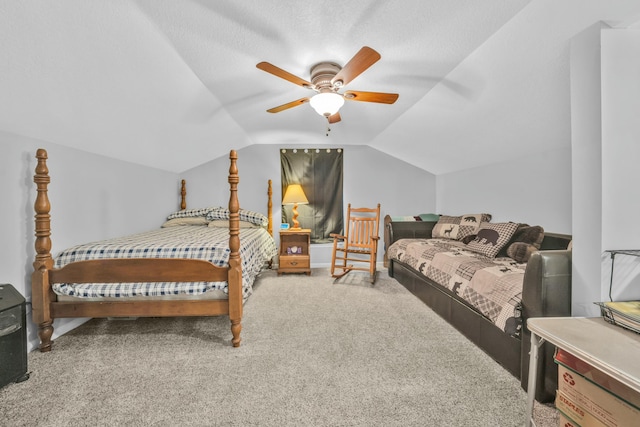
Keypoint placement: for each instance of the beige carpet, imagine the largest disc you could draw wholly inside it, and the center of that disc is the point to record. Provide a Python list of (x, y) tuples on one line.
[(314, 353)]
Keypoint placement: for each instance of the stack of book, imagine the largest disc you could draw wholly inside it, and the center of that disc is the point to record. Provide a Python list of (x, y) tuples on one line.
[(622, 313)]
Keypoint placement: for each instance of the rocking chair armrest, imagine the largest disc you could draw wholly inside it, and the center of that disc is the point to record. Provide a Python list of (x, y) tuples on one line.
[(375, 237), (337, 236)]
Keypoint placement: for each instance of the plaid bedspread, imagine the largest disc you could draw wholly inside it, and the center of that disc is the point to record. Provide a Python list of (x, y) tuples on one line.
[(492, 286), (193, 242)]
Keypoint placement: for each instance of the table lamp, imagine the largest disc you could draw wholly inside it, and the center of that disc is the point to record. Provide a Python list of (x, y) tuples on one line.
[(293, 196)]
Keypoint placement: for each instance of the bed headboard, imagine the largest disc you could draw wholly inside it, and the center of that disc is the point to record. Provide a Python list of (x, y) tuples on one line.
[(183, 202), (183, 195)]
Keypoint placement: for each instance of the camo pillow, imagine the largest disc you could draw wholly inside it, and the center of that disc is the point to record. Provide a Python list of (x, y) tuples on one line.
[(520, 251), (492, 237), (531, 235)]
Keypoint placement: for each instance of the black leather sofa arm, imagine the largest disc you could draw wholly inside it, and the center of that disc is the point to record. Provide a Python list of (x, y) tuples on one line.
[(546, 290), (546, 293)]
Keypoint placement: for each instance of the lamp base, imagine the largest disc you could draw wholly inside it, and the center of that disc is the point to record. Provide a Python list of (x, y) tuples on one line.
[(296, 224)]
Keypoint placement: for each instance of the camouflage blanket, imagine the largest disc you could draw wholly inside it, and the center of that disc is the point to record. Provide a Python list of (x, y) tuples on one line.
[(493, 286)]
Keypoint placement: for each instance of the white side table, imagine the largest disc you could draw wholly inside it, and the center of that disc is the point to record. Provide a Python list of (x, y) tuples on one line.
[(609, 348)]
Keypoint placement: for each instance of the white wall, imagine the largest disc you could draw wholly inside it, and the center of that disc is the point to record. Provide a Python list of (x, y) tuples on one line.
[(605, 99), (620, 138), (620, 157), (535, 190), (586, 141), (370, 177), (92, 197)]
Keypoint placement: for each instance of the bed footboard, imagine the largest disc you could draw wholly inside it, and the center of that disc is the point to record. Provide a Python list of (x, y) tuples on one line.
[(40, 288), (44, 301), (235, 268)]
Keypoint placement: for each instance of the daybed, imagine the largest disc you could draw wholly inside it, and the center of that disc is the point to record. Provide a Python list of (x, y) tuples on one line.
[(186, 268), (432, 266)]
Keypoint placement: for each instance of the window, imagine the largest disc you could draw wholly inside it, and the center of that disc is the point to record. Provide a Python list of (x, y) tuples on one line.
[(319, 171)]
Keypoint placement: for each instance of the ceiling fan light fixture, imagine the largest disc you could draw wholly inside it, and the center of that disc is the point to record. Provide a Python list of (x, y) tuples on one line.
[(327, 79), (327, 104)]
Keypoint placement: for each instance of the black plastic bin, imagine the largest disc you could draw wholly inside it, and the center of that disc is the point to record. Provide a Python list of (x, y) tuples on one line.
[(13, 336)]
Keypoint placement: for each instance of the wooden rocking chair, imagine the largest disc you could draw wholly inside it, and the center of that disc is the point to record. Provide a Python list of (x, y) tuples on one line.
[(359, 244)]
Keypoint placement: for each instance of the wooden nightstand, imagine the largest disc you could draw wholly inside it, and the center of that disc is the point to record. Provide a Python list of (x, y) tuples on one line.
[(294, 251)]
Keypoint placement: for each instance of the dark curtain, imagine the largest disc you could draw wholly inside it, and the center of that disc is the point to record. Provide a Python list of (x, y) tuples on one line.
[(319, 171)]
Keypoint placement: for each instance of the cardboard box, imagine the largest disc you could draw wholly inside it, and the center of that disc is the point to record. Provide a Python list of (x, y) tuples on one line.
[(598, 377), (565, 421), (574, 389), (579, 416)]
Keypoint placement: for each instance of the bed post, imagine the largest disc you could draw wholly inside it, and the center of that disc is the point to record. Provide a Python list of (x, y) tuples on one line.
[(235, 269), (270, 209), (40, 288), (183, 195)]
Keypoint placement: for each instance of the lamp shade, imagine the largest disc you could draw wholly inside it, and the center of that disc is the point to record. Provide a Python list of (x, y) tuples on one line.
[(293, 195), (327, 104)]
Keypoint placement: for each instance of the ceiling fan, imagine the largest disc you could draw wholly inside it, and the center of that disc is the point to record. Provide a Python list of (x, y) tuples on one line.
[(327, 78)]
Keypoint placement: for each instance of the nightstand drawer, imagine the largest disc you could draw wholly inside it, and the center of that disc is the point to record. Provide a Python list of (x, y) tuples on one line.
[(294, 261)]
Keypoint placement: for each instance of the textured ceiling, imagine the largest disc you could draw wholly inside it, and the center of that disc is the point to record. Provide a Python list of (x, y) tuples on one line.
[(172, 84)]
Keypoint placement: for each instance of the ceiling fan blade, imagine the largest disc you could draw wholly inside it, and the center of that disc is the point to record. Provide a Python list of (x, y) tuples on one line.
[(279, 72), (335, 118), (383, 98), (288, 105), (362, 60)]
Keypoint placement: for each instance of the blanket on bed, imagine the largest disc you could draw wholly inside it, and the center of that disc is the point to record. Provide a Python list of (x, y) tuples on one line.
[(493, 286), (193, 242)]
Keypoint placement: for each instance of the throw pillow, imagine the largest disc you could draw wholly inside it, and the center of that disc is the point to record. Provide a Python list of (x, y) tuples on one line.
[(192, 220), (446, 227), (492, 237), (403, 218), (470, 224), (531, 235), (520, 251), (429, 217), (190, 213), (245, 215)]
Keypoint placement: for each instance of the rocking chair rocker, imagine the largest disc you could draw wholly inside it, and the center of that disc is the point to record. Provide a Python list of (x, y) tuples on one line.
[(359, 243)]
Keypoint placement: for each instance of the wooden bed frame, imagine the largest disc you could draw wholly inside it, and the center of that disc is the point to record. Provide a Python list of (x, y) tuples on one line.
[(46, 308)]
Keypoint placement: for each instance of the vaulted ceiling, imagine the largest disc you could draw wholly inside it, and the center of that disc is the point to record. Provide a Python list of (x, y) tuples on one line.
[(172, 84)]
